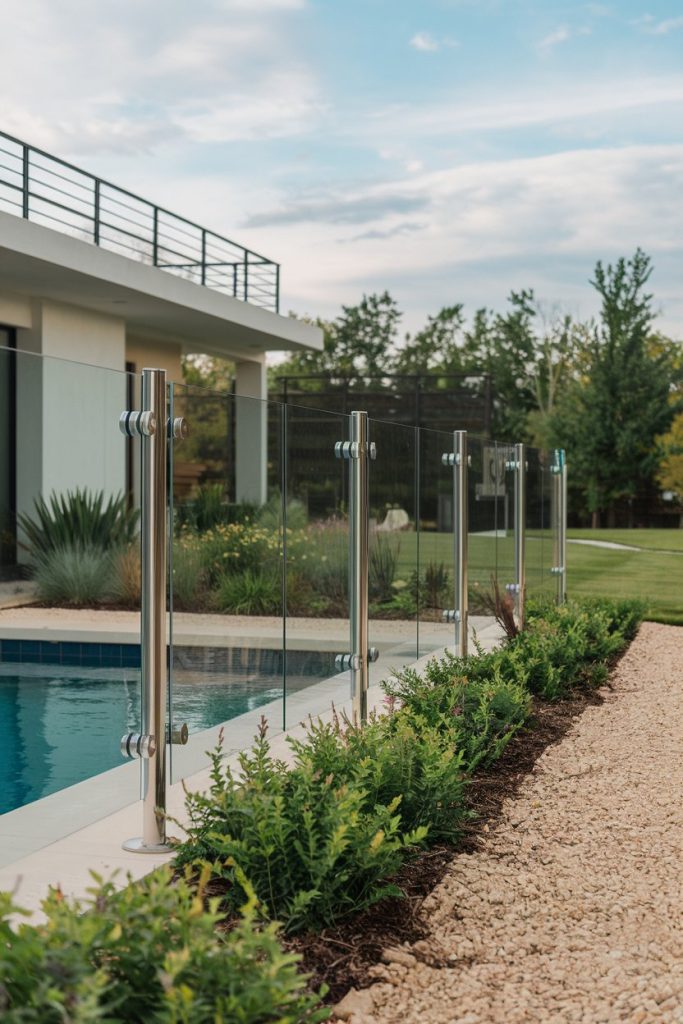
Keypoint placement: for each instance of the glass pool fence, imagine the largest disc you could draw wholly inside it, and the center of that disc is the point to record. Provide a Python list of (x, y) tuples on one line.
[(177, 563)]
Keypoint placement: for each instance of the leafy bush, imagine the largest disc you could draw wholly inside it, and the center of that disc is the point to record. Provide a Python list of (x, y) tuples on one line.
[(270, 517), (308, 843), (80, 519), (236, 548), (75, 575), (321, 553), (480, 715), (383, 562), (126, 580), (150, 954), (209, 508), (431, 588), (253, 592), (189, 575), (395, 756)]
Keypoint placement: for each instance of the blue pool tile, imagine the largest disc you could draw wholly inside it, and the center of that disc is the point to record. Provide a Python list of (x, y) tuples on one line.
[(30, 657), (112, 656), (130, 655), (10, 651), (50, 652)]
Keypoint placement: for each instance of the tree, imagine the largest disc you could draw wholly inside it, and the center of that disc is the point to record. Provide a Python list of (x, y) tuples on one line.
[(504, 346), (618, 402), (436, 347), (358, 344), (670, 470)]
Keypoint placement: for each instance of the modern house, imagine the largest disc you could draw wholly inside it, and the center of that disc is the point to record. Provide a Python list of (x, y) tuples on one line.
[(94, 274)]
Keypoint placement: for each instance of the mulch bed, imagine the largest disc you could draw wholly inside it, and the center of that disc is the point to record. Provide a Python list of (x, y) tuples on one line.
[(340, 956)]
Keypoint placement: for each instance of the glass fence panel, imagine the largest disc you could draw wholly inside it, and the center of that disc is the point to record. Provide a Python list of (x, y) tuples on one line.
[(434, 594), (227, 573), (548, 584), (317, 561), (393, 546), (504, 488), (534, 522), (70, 571), (483, 508)]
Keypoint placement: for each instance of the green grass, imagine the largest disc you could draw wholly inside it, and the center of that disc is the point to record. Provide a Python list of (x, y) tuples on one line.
[(654, 573), (654, 540)]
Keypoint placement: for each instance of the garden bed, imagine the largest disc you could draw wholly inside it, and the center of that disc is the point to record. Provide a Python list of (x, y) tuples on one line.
[(341, 847), (339, 958)]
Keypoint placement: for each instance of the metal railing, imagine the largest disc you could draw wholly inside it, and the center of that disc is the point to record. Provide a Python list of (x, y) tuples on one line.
[(49, 191)]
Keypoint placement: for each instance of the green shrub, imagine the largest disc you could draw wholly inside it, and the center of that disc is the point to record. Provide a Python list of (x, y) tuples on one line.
[(189, 575), (395, 756), (270, 515), (150, 954), (321, 553), (80, 519), (431, 588), (253, 592), (308, 843), (75, 575), (126, 578), (383, 562), (236, 548), (209, 508), (480, 715)]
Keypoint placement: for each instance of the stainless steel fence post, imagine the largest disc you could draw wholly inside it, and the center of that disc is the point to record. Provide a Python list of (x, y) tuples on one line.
[(559, 569), (563, 530), (358, 450), (150, 744), (518, 466), (459, 460)]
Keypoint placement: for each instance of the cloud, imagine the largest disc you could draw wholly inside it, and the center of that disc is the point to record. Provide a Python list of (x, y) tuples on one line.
[(282, 104), (425, 42), (339, 208), (485, 227), (586, 101), (211, 71), (662, 28), (405, 228), (562, 34)]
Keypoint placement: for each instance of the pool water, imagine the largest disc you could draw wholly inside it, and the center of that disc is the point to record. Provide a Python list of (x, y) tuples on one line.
[(60, 726)]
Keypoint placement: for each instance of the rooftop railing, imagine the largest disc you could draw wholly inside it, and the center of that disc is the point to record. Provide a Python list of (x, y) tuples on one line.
[(59, 195)]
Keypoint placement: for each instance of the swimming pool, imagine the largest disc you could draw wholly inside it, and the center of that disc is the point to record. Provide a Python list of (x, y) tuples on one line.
[(62, 724)]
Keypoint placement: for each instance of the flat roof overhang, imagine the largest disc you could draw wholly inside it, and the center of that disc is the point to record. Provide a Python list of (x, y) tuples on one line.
[(44, 264)]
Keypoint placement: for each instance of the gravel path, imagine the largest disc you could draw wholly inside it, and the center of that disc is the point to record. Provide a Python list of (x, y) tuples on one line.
[(572, 909)]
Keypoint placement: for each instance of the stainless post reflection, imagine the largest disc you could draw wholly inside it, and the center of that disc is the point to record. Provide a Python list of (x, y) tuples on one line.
[(153, 527), (359, 509), (520, 531)]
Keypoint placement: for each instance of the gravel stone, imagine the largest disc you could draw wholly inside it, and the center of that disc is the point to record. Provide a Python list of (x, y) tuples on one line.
[(571, 910)]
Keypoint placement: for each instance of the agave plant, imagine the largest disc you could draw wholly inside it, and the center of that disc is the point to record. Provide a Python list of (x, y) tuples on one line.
[(78, 519)]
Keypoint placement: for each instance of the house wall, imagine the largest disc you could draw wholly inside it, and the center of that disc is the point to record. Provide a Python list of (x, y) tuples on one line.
[(67, 411), (155, 354)]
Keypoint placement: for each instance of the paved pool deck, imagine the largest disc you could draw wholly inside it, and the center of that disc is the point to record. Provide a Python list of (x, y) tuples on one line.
[(62, 837)]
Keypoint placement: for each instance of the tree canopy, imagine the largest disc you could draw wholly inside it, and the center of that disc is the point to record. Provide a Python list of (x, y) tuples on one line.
[(607, 390)]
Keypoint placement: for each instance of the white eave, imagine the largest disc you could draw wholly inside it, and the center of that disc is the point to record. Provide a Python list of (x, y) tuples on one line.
[(41, 263)]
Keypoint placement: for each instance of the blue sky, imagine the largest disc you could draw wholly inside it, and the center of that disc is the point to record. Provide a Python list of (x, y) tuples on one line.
[(449, 150)]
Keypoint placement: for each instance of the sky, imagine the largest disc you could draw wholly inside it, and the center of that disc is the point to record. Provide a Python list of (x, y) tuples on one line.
[(447, 150)]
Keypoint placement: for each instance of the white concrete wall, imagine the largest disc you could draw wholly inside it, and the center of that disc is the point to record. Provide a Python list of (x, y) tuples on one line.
[(67, 411)]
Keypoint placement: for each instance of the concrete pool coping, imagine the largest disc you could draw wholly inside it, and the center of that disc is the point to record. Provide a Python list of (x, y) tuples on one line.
[(61, 838), (190, 629)]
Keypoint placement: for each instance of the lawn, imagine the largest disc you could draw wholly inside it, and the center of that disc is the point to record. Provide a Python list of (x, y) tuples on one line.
[(654, 573)]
